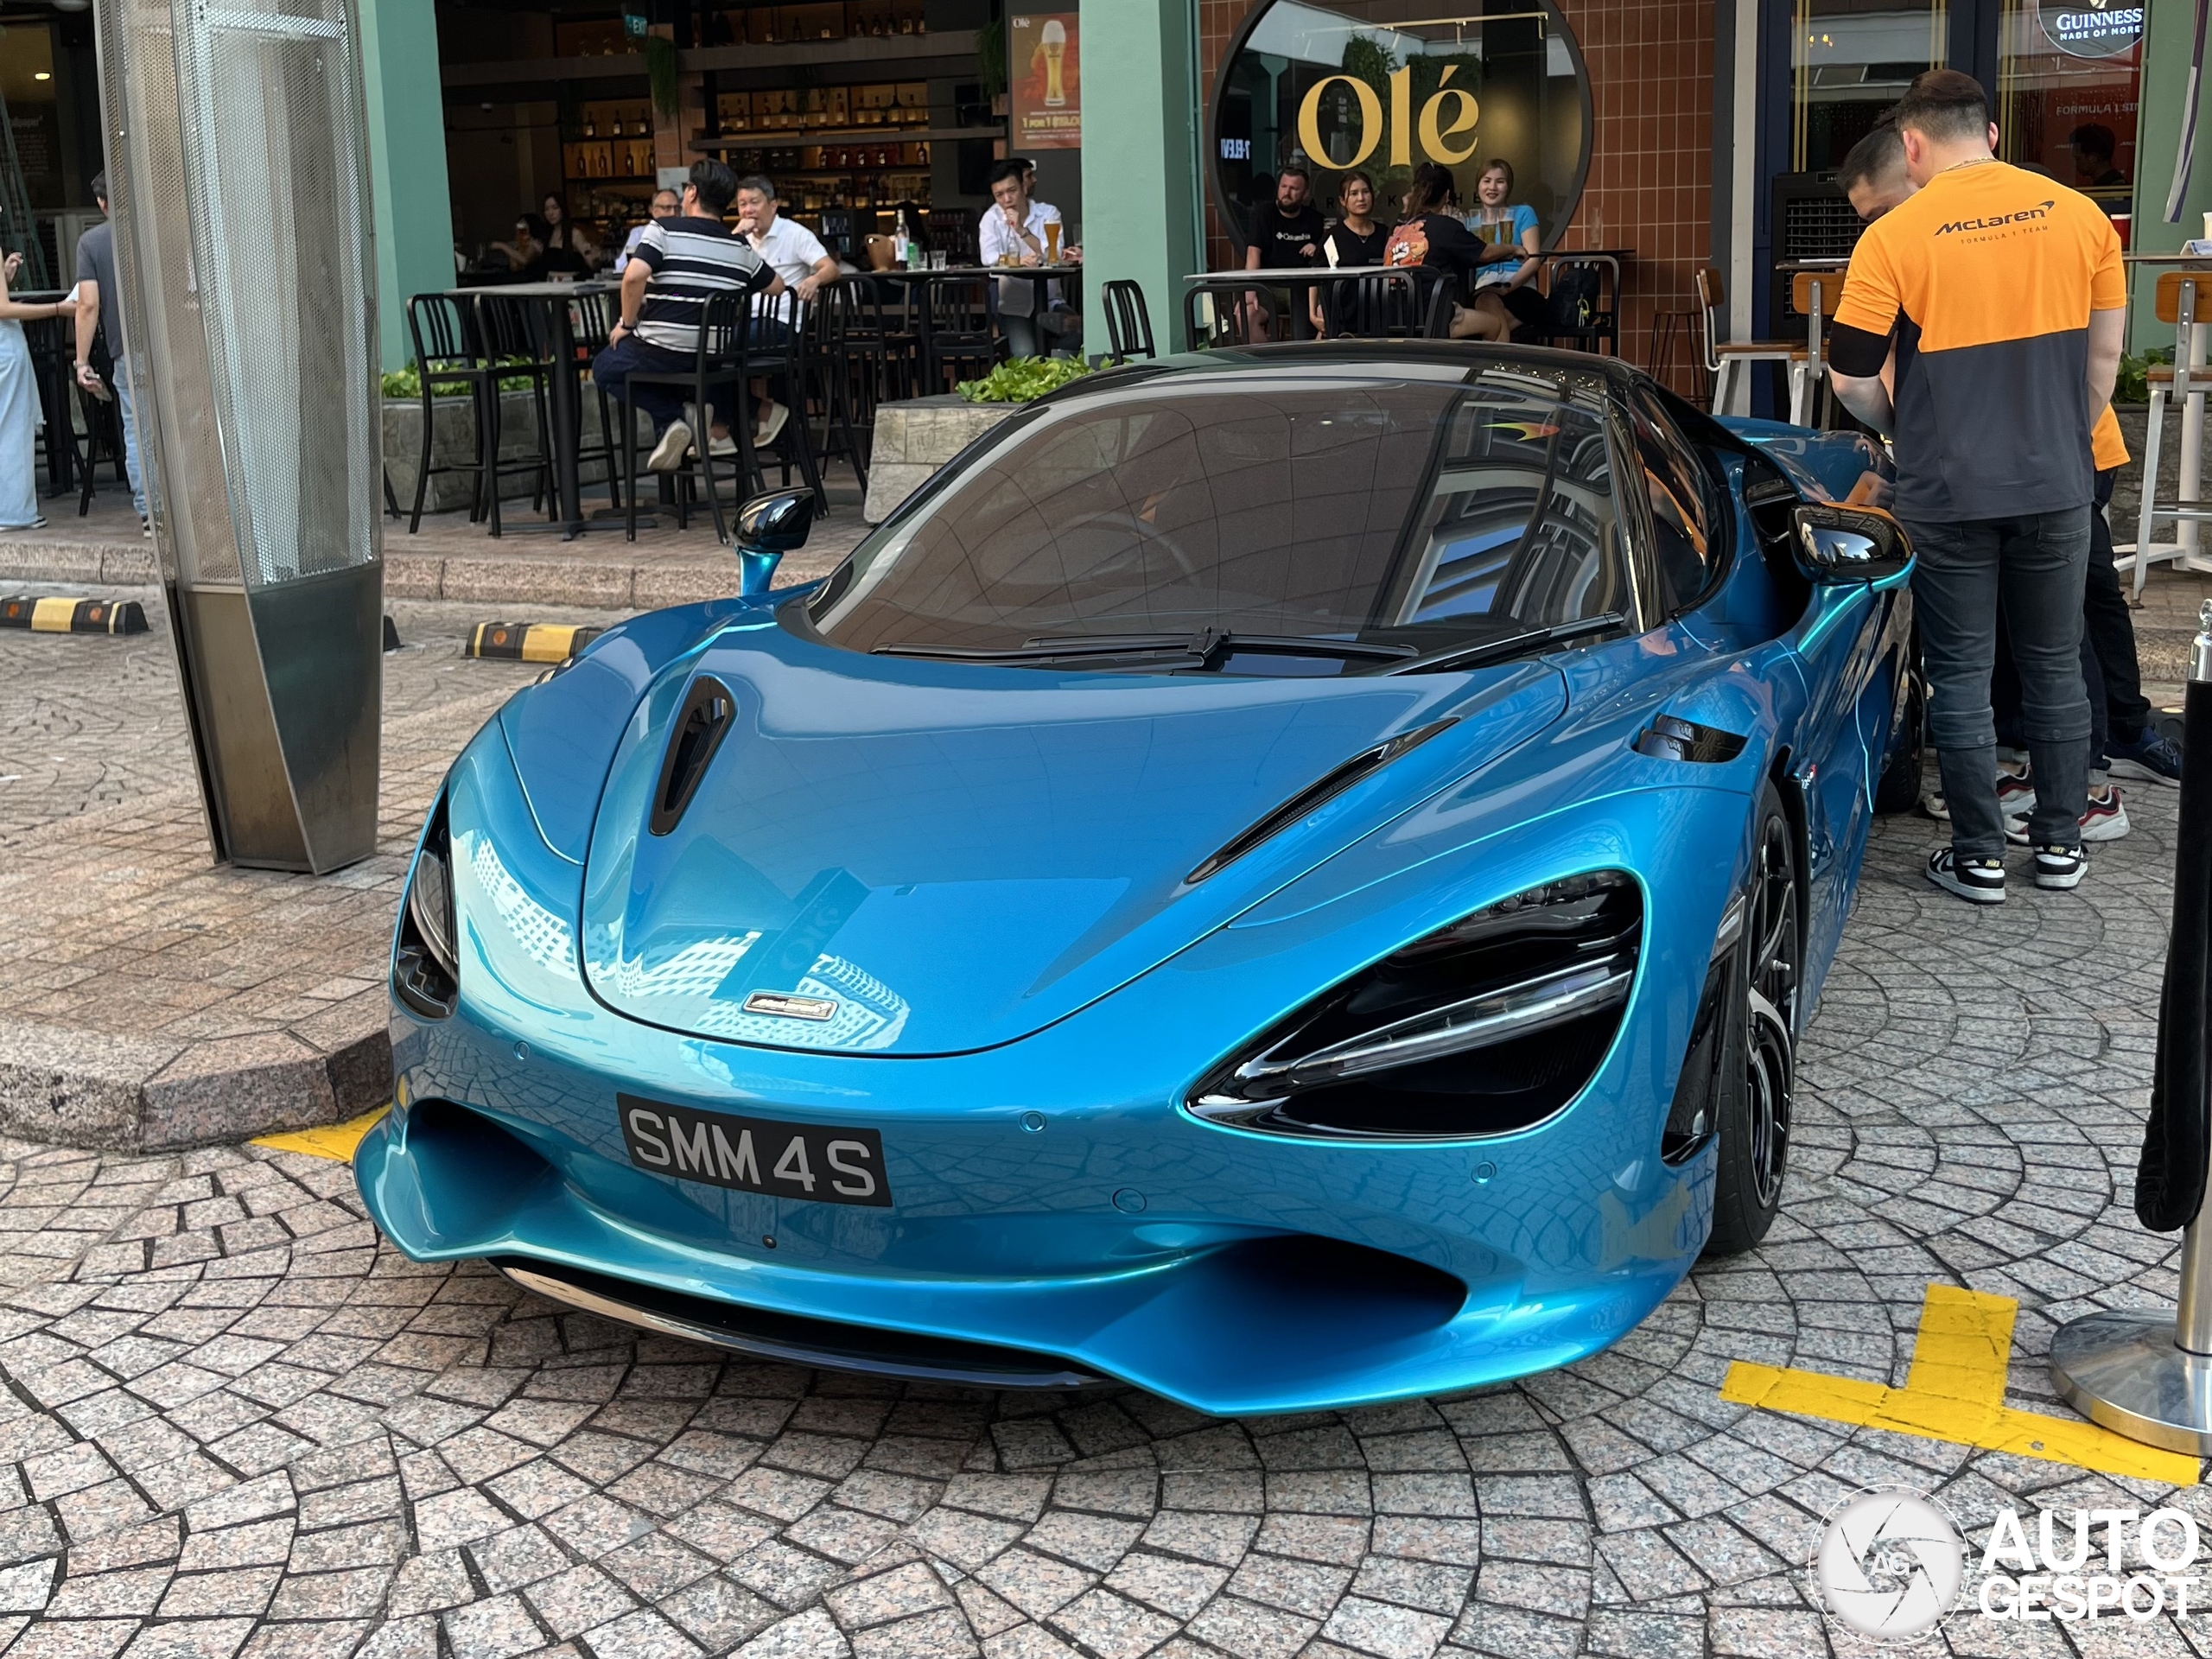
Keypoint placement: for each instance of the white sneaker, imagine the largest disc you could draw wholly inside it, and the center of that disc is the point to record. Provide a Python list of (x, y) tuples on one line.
[(772, 422), (722, 447), (668, 454), (2061, 867), (1977, 880)]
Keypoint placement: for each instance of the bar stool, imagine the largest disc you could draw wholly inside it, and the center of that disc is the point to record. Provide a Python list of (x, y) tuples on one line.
[(1814, 295), (2180, 298), (1128, 323), (1729, 362)]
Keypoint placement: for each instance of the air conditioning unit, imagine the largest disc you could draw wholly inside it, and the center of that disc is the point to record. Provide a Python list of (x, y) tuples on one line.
[(1812, 218)]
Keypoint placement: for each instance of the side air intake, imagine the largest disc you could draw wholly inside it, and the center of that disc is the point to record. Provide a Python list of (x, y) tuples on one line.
[(1313, 797)]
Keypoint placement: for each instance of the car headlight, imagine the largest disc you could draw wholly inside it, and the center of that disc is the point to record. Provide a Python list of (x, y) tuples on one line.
[(426, 956), (1482, 1027)]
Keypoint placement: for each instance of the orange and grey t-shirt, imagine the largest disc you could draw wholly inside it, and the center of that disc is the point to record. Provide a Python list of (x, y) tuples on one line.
[(1988, 275)]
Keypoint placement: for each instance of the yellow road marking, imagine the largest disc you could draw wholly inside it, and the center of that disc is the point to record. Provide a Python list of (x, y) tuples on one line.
[(53, 615), (1955, 1392), (335, 1141)]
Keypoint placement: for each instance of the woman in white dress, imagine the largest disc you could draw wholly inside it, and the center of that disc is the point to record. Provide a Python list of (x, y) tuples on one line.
[(19, 415)]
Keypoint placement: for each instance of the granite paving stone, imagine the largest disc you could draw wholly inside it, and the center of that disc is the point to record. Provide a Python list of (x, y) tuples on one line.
[(234, 1422)]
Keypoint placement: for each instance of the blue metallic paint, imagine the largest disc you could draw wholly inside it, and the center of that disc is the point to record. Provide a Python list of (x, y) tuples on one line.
[(1068, 972)]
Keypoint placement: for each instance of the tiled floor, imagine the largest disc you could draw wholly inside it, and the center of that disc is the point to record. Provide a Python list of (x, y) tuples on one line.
[(234, 1422)]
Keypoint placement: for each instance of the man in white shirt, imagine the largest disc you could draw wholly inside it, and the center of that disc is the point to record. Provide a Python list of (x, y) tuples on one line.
[(795, 251), (1014, 226), (665, 206)]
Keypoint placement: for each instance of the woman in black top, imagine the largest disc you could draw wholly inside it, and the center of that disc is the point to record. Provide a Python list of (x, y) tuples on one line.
[(1431, 234), (569, 246), (1354, 239)]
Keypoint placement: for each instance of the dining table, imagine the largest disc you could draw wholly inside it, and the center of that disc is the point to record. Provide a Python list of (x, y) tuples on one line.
[(924, 276)]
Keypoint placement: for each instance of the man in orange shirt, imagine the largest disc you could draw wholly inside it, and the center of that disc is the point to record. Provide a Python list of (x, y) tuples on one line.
[(2006, 295)]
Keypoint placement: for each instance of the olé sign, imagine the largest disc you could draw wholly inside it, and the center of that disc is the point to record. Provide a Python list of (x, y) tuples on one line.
[(1450, 112)]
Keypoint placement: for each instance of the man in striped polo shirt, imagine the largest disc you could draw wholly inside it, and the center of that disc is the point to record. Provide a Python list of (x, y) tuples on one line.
[(2007, 298), (679, 265)]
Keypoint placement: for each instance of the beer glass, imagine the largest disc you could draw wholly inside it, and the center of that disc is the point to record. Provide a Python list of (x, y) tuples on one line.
[(1054, 37)]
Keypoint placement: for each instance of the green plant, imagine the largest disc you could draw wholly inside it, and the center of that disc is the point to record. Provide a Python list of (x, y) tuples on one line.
[(1023, 379), (991, 56), (2133, 385), (408, 385), (660, 75)]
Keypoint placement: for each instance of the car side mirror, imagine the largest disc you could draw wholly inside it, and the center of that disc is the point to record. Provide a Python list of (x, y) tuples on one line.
[(1847, 545), (769, 527)]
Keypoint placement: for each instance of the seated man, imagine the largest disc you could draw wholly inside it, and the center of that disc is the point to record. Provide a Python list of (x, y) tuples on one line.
[(798, 257), (1015, 228), (680, 264), (665, 203)]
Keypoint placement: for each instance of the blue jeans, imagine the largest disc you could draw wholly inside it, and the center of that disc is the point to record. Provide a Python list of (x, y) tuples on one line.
[(2037, 563), (119, 379)]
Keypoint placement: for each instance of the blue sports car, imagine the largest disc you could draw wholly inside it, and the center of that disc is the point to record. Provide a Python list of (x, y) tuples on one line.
[(1287, 877)]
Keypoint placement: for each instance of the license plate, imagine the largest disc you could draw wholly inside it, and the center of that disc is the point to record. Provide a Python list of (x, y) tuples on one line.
[(811, 1161)]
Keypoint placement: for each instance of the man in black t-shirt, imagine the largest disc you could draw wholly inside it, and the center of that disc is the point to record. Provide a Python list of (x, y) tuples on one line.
[(1283, 237)]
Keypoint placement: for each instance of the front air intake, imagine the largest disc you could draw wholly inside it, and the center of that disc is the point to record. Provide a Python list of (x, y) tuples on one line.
[(1484, 1027)]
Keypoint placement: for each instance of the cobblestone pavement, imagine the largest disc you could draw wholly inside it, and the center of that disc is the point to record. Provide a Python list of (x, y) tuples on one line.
[(236, 1423)]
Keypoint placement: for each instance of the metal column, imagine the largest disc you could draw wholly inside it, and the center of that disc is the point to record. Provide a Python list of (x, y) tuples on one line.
[(238, 179)]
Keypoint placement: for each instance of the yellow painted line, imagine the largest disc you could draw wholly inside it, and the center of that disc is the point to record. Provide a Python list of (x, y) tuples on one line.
[(1955, 1392), (335, 1141), (53, 615)]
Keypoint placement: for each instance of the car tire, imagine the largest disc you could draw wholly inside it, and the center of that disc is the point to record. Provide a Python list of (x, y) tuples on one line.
[(1902, 770), (1759, 1065)]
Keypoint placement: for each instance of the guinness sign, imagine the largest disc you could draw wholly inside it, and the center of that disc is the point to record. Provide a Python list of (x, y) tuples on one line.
[(2094, 29)]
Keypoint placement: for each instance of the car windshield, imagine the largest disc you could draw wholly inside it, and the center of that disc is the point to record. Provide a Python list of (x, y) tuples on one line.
[(1261, 524)]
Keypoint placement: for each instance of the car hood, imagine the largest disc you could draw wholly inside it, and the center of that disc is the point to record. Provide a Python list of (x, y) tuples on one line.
[(955, 856)]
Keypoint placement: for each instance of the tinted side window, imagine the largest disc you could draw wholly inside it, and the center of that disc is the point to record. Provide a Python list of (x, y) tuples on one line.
[(1680, 496)]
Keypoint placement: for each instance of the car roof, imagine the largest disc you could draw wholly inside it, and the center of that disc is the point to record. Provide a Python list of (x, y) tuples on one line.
[(1366, 360)]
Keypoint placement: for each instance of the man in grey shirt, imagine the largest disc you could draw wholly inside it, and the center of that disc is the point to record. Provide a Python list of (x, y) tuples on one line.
[(97, 296)]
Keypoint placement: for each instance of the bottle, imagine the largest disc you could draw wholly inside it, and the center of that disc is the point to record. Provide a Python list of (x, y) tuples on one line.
[(902, 242)]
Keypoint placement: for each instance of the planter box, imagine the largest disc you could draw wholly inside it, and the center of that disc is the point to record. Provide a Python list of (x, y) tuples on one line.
[(454, 439), (914, 438)]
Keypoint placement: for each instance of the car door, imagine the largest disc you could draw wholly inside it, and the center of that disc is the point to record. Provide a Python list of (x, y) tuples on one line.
[(1843, 649)]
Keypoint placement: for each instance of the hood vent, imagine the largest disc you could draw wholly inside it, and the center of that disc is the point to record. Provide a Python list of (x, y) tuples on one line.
[(1313, 797), (699, 730)]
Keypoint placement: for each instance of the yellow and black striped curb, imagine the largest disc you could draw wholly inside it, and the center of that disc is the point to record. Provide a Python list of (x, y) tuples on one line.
[(59, 614), (530, 642)]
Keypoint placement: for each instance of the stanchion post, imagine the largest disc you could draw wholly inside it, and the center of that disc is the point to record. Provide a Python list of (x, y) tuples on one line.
[(2144, 1372)]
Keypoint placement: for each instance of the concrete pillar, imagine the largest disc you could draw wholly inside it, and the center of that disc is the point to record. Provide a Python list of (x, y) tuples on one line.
[(1141, 135), (407, 162)]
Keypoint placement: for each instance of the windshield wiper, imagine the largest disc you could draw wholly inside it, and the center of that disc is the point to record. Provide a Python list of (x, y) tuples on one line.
[(1205, 648), (1512, 644)]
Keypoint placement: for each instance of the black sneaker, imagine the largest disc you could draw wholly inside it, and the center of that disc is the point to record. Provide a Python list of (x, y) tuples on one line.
[(1977, 880), (2060, 866), (2150, 759)]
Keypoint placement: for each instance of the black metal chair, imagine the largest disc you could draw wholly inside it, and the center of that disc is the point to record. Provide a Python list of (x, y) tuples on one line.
[(594, 316), (716, 379), (447, 353), (102, 442), (960, 333), (1229, 321), (518, 346), (1128, 323), (1595, 326), (783, 357), (868, 357)]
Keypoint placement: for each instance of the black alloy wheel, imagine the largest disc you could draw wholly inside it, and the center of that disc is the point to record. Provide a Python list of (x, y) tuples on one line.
[(1759, 1070)]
